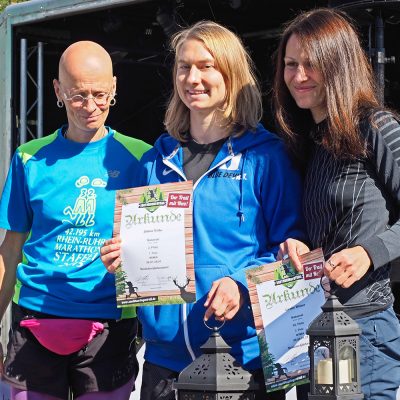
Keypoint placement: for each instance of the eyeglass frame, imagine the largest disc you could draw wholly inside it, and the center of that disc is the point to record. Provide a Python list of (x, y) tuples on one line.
[(87, 98)]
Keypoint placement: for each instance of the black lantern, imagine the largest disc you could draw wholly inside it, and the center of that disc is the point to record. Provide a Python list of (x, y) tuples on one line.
[(215, 375), (334, 354)]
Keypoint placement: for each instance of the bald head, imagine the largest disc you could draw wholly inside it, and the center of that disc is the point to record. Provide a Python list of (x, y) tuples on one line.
[(84, 58), (85, 70)]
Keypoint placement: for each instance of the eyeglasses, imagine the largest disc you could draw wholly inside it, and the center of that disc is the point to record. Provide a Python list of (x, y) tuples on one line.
[(100, 98)]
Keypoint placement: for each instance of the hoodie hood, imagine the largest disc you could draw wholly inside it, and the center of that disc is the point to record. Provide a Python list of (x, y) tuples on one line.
[(170, 150)]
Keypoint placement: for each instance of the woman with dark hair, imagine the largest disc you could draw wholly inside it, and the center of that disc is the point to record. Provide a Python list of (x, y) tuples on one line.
[(328, 112)]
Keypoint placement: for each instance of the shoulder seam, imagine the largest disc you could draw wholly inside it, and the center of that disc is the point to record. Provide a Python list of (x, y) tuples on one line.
[(135, 146), (27, 150)]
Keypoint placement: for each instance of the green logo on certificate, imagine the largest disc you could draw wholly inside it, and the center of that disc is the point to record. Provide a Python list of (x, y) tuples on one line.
[(152, 199), (286, 275)]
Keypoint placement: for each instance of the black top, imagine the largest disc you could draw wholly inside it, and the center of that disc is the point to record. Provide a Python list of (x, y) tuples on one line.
[(356, 202), (197, 157)]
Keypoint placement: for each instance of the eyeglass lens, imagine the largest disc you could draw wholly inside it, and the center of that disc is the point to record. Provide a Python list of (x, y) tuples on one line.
[(99, 99)]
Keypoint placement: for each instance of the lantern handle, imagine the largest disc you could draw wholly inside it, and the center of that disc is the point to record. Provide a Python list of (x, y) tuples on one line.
[(331, 290), (214, 328)]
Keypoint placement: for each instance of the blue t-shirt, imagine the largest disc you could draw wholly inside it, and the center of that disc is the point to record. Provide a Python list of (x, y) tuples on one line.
[(63, 194)]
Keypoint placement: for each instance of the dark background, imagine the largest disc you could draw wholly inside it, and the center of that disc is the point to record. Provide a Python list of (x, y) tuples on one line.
[(137, 38)]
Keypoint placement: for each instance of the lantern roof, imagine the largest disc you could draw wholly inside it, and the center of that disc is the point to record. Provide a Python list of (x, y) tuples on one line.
[(333, 321), (215, 370)]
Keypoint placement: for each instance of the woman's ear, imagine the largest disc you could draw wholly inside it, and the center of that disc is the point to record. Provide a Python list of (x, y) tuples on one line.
[(56, 85)]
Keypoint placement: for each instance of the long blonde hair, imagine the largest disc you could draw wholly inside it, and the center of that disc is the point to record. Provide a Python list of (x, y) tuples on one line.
[(243, 108)]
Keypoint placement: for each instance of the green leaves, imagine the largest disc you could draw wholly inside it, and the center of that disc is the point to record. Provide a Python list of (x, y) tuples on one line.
[(5, 3)]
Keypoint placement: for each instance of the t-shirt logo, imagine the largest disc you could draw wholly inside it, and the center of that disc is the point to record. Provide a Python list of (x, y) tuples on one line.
[(230, 170), (79, 243), (233, 163), (84, 209)]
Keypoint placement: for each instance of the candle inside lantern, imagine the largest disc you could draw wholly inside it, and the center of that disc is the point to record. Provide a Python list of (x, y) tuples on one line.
[(345, 371), (325, 371)]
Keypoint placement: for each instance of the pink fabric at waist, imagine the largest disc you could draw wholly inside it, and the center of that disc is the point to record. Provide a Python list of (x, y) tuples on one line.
[(63, 336)]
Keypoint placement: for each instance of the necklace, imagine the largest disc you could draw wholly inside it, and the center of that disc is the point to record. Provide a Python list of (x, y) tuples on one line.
[(193, 140)]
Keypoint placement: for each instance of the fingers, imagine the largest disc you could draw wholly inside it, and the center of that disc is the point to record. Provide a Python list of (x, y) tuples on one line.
[(213, 304), (331, 264), (341, 276), (114, 240), (231, 312), (216, 309), (211, 293), (347, 266), (110, 254), (223, 300), (112, 264), (333, 270), (282, 252), (293, 248)]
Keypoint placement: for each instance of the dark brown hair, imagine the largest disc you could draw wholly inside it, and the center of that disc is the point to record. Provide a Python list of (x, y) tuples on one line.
[(332, 44)]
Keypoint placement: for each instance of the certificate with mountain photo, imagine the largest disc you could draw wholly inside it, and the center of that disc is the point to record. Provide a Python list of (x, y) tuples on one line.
[(155, 226), (284, 303)]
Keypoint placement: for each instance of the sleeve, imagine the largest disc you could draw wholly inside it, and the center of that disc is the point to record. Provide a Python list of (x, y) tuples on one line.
[(384, 150), (281, 190), (15, 210)]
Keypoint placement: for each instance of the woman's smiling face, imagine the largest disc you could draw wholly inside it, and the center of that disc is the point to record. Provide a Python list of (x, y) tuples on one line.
[(200, 84), (304, 82)]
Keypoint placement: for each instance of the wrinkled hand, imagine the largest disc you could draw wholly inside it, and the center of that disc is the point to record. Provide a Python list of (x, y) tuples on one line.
[(224, 300), (347, 266), (293, 248), (110, 254)]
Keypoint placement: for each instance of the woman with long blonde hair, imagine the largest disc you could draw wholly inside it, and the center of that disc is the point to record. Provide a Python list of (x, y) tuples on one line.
[(246, 201)]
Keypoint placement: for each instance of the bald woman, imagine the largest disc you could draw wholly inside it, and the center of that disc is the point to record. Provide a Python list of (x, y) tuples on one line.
[(67, 334)]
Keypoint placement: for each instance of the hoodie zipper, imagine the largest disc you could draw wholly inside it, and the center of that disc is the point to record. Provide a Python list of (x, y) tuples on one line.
[(167, 162), (174, 168), (226, 159)]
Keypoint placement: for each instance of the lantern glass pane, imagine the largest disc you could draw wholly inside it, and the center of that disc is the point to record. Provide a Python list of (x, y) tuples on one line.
[(323, 366), (347, 364)]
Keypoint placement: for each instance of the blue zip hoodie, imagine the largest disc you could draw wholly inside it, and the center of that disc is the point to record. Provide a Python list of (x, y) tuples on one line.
[(244, 206)]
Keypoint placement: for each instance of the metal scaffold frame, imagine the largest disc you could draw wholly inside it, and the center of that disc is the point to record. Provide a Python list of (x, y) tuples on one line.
[(24, 123)]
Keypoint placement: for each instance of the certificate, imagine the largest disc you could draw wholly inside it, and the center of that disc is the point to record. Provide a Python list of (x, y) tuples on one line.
[(284, 303), (155, 225)]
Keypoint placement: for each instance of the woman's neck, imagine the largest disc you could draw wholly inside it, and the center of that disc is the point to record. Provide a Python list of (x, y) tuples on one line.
[(85, 137), (205, 131)]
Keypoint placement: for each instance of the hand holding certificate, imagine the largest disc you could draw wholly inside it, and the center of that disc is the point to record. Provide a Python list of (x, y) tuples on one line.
[(155, 225), (284, 302)]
